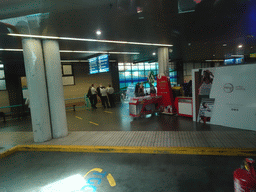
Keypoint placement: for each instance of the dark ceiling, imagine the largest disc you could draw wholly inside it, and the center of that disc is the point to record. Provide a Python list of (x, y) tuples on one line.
[(196, 36)]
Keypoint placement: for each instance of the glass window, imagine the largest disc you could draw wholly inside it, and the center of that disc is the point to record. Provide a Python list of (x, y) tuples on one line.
[(141, 66), (2, 85), (153, 66), (1, 74), (120, 68), (135, 67), (122, 85), (147, 66), (121, 76), (127, 67)]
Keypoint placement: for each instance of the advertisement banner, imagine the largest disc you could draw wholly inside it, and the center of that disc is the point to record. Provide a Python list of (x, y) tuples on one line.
[(205, 110), (234, 91)]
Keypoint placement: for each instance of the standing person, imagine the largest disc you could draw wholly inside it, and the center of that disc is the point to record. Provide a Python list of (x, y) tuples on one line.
[(141, 90), (93, 98), (110, 91), (103, 92), (98, 91), (137, 89)]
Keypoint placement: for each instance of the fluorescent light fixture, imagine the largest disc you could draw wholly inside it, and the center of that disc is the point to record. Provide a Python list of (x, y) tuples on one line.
[(72, 183), (98, 32), (214, 60), (240, 46), (95, 52), (90, 40), (11, 49), (154, 53), (224, 45), (69, 61), (102, 52), (237, 55), (1, 66)]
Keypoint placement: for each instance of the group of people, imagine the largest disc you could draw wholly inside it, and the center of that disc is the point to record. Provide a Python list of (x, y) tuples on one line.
[(139, 90), (105, 94)]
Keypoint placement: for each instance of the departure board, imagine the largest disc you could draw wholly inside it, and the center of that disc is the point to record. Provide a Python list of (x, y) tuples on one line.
[(103, 63), (93, 65)]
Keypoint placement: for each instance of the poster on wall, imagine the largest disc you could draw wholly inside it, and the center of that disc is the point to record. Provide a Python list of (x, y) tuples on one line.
[(234, 91), (207, 77), (205, 110), (67, 69)]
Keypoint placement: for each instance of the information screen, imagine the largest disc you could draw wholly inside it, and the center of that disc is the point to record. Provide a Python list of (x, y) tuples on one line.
[(103, 63), (93, 65)]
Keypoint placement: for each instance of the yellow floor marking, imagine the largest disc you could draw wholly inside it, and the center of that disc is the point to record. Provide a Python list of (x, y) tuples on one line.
[(128, 149), (108, 112), (111, 180), (79, 117), (93, 123), (95, 169)]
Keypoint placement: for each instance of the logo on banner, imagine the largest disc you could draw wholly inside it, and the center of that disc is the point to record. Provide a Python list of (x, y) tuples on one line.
[(228, 88)]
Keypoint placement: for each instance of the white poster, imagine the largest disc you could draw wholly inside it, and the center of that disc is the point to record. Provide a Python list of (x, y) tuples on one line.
[(234, 90)]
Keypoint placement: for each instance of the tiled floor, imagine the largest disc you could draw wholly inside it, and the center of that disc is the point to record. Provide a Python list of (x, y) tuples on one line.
[(116, 128)]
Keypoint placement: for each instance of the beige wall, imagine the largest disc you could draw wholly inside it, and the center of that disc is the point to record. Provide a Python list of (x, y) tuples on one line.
[(83, 81), (4, 101)]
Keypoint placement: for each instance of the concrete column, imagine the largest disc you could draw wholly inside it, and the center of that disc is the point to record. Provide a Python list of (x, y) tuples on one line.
[(38, 99), (163, 60), (55, 88)]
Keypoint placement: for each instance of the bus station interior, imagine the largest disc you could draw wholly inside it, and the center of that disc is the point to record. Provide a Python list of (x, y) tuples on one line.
[(215, 35)]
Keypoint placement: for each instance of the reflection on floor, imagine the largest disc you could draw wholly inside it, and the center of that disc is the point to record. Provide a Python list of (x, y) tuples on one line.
[(48, 172), (114, 126)]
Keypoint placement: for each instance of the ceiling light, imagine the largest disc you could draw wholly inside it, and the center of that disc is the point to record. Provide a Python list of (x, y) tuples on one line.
[(94, 52), (69, 61), (214, 60), (11, 49), (98, 32), (154, 53), (224, 45), (90, 40), (240, 46), (237, 55)]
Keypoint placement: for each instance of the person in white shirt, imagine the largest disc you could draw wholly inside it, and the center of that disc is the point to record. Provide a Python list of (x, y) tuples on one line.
[(110, 91), (93, 97), (104, 98)]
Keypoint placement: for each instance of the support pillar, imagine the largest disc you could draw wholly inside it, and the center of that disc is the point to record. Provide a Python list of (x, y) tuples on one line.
[(38, 99), (55, 88), (163, 60)]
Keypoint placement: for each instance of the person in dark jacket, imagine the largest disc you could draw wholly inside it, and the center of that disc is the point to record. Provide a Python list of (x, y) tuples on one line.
[(137, 89)]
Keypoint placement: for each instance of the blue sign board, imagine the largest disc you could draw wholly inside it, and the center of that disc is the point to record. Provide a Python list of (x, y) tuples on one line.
[(93, 64), (233, 61), (103, 63)]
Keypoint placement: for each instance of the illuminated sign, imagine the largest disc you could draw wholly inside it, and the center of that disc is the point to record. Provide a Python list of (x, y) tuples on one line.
[(233, 61), (93, 64), (253, 55), (103, 63), (99, 64)]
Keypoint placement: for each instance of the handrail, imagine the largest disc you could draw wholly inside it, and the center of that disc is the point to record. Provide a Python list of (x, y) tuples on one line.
[(11, 106)]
